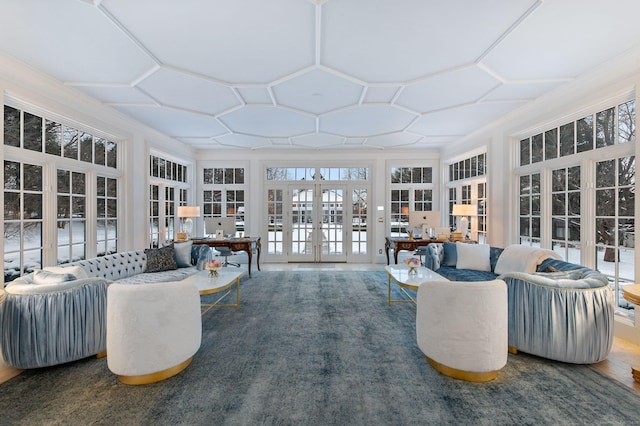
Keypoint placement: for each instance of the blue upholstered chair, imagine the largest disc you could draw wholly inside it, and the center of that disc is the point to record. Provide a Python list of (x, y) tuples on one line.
[(56, 320)]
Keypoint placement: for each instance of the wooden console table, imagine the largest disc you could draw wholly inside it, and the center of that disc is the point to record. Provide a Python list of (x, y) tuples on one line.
[(401, 243), (246, 244), (398, 244)]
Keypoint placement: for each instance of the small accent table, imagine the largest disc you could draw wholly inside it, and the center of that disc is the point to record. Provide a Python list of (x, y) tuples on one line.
[(223, 282), (632, 294), (400, 274)]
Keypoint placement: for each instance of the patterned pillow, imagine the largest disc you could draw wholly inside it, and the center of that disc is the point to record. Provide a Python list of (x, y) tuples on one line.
[(160, 259)]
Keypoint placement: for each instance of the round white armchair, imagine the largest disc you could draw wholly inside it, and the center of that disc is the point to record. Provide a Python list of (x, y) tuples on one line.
[(153, 330), (462, 327)]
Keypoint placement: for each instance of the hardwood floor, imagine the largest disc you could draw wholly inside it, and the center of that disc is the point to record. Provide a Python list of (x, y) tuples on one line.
[(623, 356)]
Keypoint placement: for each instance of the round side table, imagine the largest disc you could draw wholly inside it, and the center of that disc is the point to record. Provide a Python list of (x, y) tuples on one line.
[(632, 294)]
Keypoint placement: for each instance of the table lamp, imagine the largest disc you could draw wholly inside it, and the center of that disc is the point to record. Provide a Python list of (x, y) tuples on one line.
[(188, 213), (463, 211)]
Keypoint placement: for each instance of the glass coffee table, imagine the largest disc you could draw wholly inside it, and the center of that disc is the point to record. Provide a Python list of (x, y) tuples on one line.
[(404, 280), (222, 283)]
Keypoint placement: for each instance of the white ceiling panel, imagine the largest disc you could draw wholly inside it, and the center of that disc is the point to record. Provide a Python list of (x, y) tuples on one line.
[(243, 141), (186, 91), (564, 38), (463, 119), (395, 41), (70, 40), (393, 140), (255, 95), (269, 121), (234, 41), (318, 140), (317, 74), (367, 120), (446, 90), (528, 90), (114, 94), (380, 94), (173, 122), (317, 92)]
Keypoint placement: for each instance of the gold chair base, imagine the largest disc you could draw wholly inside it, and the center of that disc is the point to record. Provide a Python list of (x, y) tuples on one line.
[(145, 379), (101, 354), (512, 350), (468, 376)]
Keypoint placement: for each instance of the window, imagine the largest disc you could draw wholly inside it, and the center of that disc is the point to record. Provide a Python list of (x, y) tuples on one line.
[(601, 178), (223, 193), (167, 191), (481, 202), (411, 190), (85, 156), (467, 185), (72, 219), (166, 169), (565, 212), (529, 212), (468, 168), (107, 215), (615, 221), (23, 219), (154, 216), (595, 131)]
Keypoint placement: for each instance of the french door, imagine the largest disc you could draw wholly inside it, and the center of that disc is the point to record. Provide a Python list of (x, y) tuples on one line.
[(317, 223)]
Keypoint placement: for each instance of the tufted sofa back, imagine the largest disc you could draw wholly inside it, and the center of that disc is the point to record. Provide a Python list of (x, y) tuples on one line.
[(116, 266)]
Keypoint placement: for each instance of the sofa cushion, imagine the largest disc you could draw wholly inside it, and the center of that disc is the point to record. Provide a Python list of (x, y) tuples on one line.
[(450, 257), (473, 256), (454, 274), (160, 259), (182, 254)]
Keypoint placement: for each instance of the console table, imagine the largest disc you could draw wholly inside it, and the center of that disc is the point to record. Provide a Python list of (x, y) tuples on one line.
[(246, 244)]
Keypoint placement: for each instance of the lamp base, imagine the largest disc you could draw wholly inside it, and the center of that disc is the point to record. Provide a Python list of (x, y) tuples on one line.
[(181, 236)]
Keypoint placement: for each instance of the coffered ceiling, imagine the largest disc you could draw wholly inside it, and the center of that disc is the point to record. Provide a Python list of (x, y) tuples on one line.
[(273, 74)]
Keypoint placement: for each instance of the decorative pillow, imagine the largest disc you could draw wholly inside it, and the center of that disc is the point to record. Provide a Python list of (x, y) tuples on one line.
[(182, 254), (450, 257), (473, 256), (160, 259), (46, 277), (575, 274), (76, 270)]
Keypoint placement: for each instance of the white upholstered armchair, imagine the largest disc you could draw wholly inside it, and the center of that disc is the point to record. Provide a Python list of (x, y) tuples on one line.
[(461, 327)]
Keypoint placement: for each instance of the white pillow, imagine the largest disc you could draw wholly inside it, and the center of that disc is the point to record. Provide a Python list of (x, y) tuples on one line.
[(473, 256), (46, 277), (76, 270)]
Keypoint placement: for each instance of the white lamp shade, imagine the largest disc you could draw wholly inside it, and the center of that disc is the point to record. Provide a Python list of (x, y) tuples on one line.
[(189, 211), (465, 210)]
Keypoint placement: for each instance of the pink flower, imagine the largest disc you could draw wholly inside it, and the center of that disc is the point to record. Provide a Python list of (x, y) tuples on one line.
[(412, 262), (213, 265)]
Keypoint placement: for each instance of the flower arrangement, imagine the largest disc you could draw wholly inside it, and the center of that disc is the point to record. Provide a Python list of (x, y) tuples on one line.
[(212, 266), (413, 263)]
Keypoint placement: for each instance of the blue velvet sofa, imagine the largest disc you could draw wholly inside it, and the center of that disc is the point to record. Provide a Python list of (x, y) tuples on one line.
[(560, 311), (59, 314)]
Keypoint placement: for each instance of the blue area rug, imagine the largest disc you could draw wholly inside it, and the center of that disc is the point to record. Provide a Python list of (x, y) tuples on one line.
[(317, 347)]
